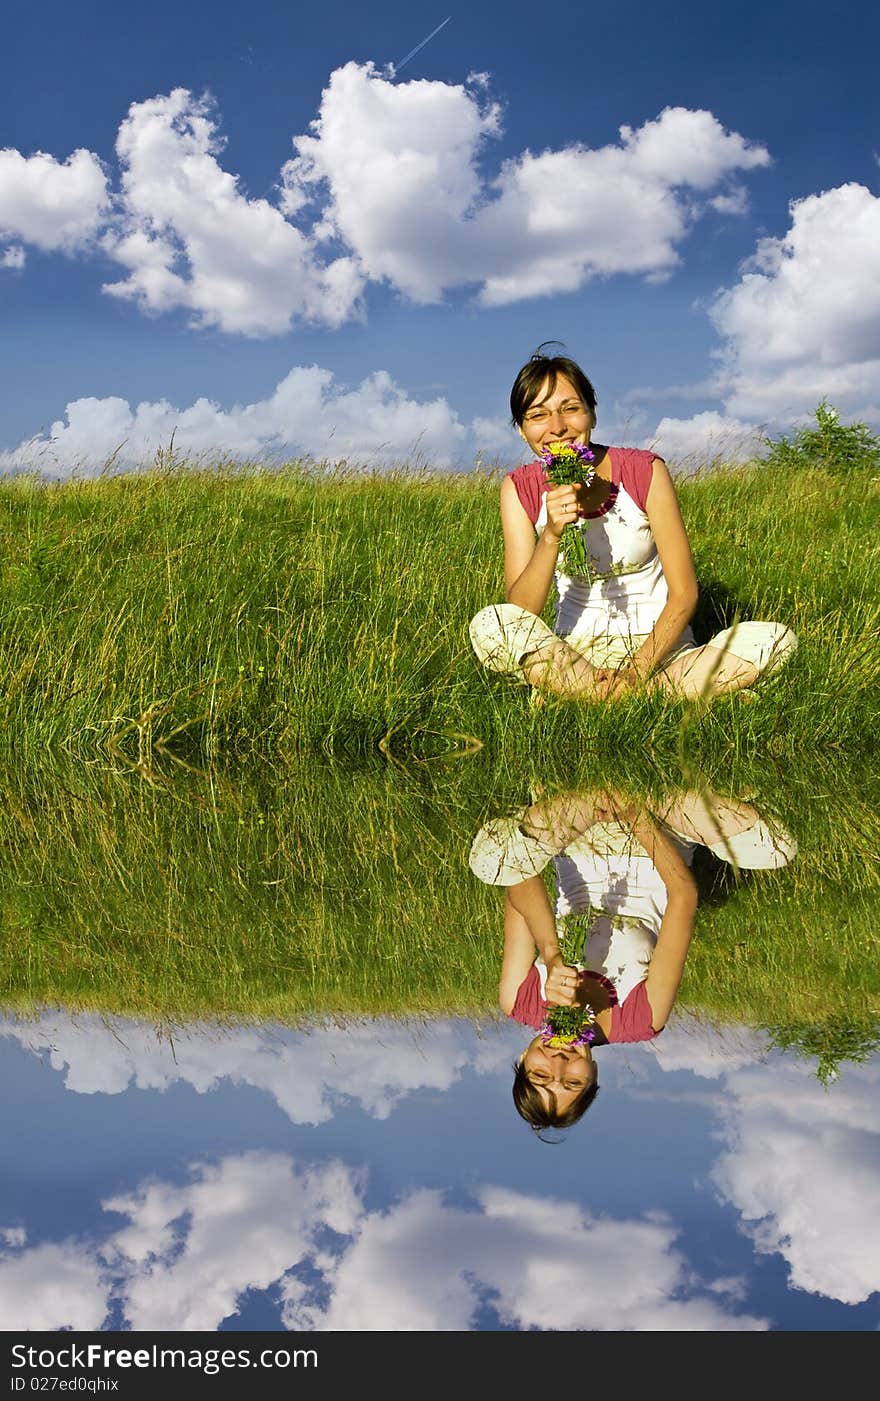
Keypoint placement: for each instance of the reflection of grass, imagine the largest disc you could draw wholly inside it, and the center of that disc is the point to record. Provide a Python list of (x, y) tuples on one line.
[(222, 612), (314, 890), (832, 1042), (305, 892)]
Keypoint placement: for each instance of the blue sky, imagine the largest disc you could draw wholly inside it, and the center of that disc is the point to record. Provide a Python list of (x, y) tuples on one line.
[(379, 1178), (715, 265)]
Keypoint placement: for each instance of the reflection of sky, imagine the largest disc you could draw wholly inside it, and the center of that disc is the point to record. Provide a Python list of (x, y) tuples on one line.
[(379, 1177)]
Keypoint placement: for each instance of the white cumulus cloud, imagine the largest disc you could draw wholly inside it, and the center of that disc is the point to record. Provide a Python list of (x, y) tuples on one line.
[(802, 1166), (392, 184), (190, 238), (394, 169), (704, 438), (309, 414), (51, 1286), (803, 322), (54, 205), (13, 257)]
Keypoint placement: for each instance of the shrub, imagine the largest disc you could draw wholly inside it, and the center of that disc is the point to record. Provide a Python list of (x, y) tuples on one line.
[(839, 447)]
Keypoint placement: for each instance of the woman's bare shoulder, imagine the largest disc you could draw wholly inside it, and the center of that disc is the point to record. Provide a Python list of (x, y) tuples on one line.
[(525, 486)]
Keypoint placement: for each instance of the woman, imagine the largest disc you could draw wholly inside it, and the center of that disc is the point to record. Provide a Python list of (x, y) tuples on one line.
[(625, 907), (627, 624)]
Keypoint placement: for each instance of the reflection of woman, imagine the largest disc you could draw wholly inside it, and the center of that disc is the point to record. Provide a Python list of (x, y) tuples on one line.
[(626, 900), (628, 623)]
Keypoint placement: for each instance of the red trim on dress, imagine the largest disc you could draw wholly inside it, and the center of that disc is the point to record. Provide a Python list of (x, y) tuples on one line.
[(631, 468), (630, 1020)]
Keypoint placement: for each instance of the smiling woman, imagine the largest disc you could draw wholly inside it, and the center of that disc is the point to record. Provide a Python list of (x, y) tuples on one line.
[(623, 609)]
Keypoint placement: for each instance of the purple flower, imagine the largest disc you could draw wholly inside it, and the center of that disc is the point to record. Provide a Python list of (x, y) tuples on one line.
[(564, 455), (567, 463)]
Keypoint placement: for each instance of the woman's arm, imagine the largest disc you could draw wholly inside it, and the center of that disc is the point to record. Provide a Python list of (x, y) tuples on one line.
[(677, 925), (528, 926), (519, 954), (528, 565), (676, 561)]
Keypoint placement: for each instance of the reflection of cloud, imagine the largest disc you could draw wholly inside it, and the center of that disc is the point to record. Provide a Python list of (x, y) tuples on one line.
[(802, 1165), (706, 1050), (425, 1265), (190, 1253), (307, 1073), (187, 1255), (51, 1286)]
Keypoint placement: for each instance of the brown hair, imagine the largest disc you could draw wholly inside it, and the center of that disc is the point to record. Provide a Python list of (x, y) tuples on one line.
[(540, 368), (531, 1107)]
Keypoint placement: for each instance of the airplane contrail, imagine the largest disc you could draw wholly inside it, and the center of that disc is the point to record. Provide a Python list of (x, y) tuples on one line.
[(412, 53)]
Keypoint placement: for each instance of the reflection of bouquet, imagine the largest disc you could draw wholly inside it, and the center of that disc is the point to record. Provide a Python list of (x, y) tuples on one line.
[(567, 463), (569, 1026), (574, 1026)]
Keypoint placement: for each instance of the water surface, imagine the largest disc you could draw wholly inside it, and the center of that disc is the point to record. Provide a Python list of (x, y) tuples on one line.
[(378, 1178), (253, 1075)]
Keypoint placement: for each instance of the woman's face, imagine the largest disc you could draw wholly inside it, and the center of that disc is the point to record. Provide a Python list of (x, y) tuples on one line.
[(560, 1074), (560, 416)]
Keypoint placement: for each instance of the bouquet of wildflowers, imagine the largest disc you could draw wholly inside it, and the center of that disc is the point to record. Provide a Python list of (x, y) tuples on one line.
[(567, 463), (569, 1026), (574, 1026)]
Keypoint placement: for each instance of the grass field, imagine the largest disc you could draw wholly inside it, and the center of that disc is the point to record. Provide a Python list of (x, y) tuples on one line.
[(181, 650), (256, 613)]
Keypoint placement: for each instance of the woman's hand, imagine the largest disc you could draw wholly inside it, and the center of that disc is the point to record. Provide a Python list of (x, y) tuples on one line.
[(562, 982), (562, 508)]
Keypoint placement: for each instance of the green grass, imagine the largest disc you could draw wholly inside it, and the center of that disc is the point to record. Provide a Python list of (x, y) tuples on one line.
[(237, 612), (180, 649), (315, 890)]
